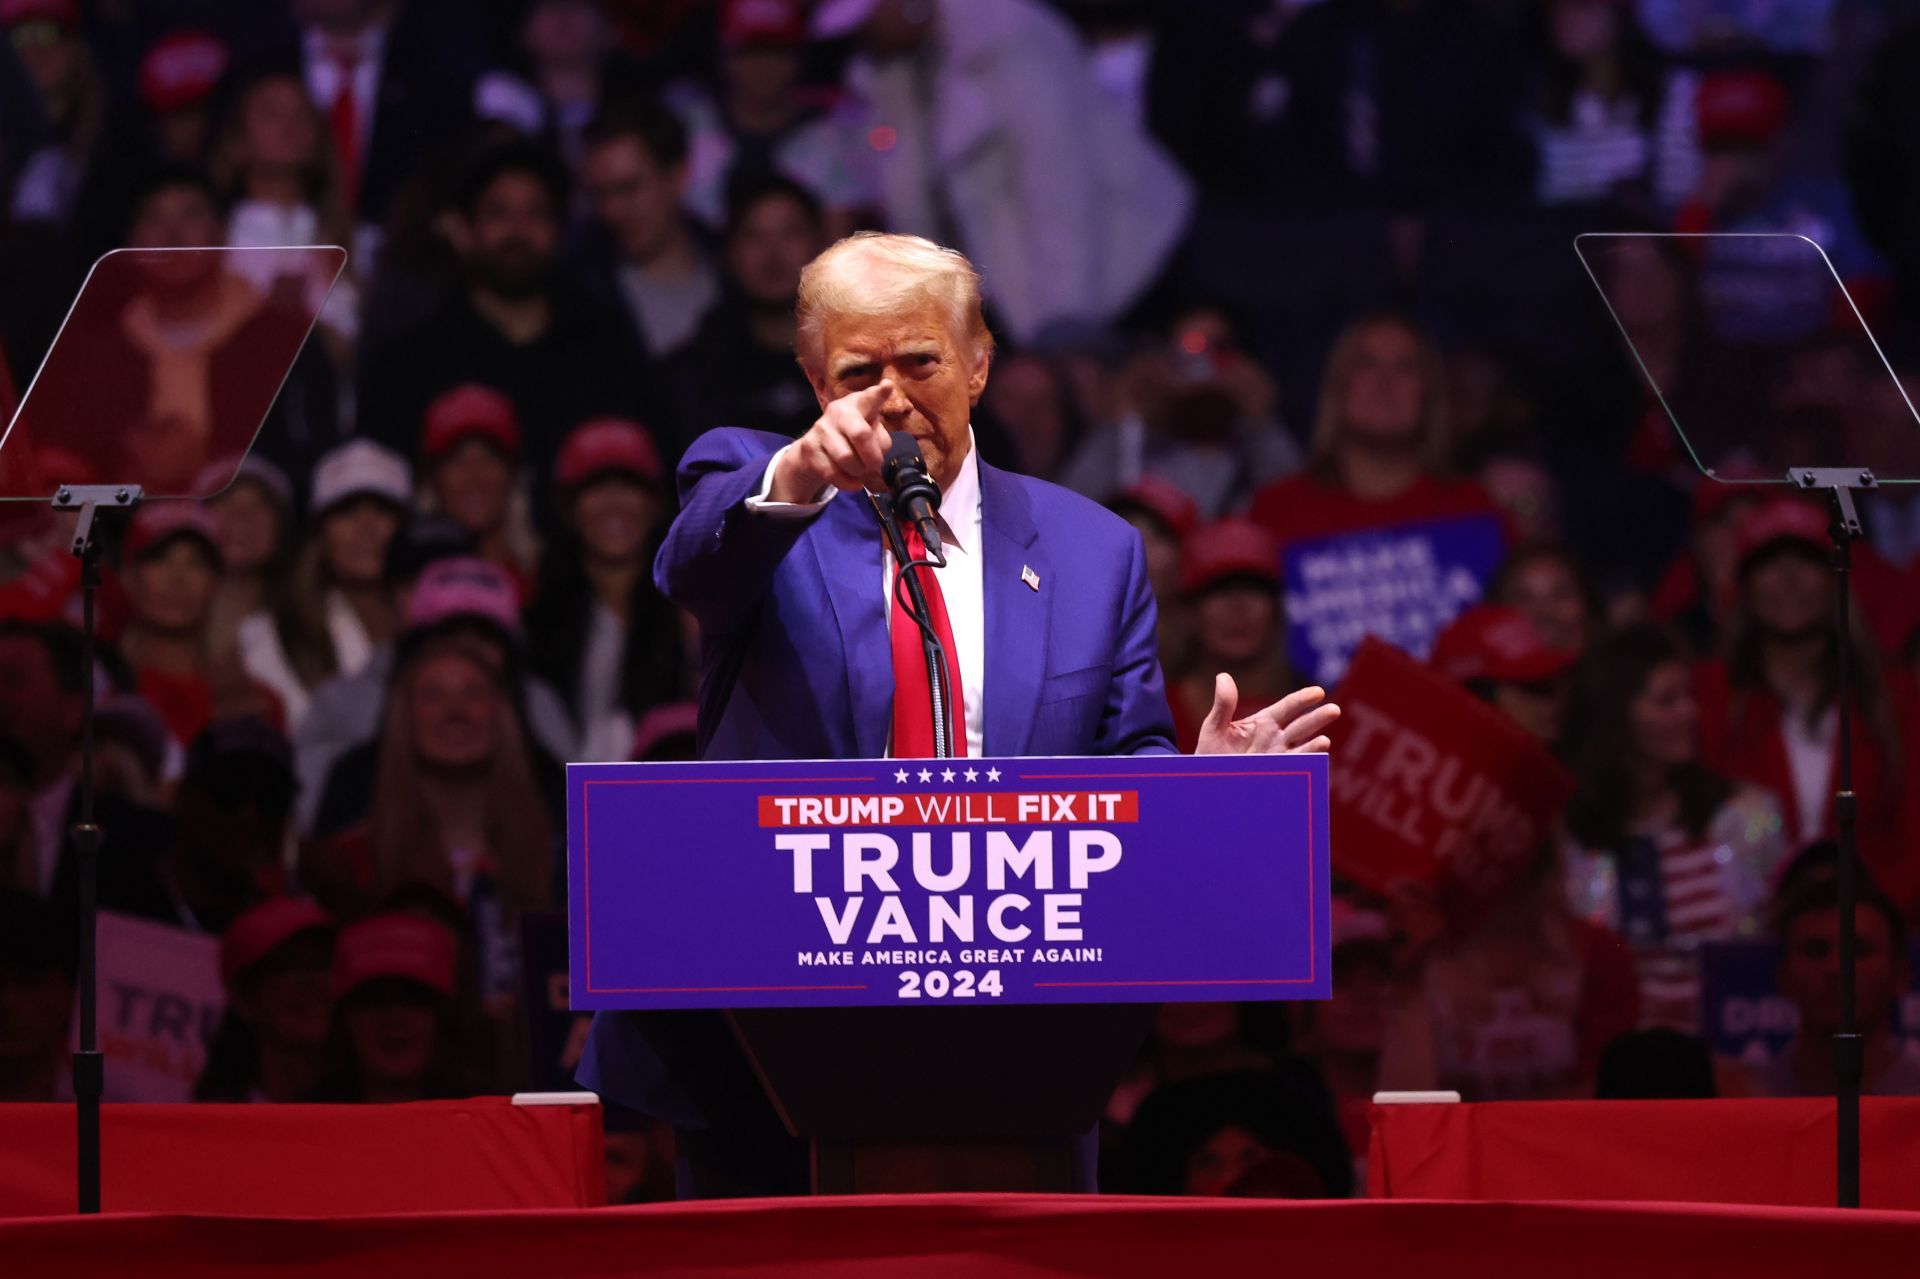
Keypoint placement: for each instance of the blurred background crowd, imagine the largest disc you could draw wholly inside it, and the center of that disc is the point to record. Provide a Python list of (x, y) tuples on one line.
[(1261, 273)]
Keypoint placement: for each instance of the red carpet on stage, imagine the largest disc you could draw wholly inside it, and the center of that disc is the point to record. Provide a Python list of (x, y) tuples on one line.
[(986, 1236), (1734, 1152), (309, 1161)]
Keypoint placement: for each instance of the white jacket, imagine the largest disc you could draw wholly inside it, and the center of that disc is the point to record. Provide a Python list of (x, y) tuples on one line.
[(1002, 135)]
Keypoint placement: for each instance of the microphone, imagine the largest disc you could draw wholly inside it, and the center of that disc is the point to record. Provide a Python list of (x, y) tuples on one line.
[(915, 496)]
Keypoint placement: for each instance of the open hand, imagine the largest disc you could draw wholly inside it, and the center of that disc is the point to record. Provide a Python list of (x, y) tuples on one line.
[(1294, 725)]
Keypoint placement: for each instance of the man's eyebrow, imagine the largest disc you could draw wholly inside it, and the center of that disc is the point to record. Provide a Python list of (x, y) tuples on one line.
[(853, 364)]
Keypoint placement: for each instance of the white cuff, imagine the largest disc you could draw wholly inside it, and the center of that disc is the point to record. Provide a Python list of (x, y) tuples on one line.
[(761, 504)]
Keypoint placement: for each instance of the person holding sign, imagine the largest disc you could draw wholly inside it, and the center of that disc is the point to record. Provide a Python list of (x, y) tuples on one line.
[(1043, 608)]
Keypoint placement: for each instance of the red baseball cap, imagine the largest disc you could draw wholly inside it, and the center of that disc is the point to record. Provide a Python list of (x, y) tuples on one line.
[(468, 410), (65, 13), (1745, 107), (1229, 548), (1495, 642), (410, 947), (181, 69), (607, 445), (1164, 500), (1781, 519), (264, 928), (777, 23), (156, 524)]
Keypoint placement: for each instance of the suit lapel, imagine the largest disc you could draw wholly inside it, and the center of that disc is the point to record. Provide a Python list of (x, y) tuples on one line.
[(1016, 614), (847, 547)]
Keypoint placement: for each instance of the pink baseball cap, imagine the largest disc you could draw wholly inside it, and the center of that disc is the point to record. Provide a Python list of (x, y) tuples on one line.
[(262, 929), (181, 69), (1229, 548), (470, 410), (464, 586), (1495, 642), (607, 444), (1781, 519), (410, 947), (158, 523)]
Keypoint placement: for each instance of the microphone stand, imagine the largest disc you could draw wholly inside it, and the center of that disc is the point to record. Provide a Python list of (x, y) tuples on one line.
[(98, 504), (939, 694), (1840, 483)]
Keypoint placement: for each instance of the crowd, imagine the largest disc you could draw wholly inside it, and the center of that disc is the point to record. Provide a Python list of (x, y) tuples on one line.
[(1263, 275)]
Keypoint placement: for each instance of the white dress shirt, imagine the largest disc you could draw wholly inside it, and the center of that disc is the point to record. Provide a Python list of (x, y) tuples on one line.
[(960, 580), (325, 81)]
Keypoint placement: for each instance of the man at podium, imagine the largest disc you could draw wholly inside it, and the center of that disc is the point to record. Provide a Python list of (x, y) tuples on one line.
[(1043, 609)]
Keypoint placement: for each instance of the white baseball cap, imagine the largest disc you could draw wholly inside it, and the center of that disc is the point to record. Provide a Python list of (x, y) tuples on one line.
[(360, 467)]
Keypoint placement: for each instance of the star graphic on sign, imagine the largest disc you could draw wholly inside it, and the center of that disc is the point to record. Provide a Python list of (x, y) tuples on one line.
[(946, 774), (972, 774), (926, 775), (900, 775), (993, 774)]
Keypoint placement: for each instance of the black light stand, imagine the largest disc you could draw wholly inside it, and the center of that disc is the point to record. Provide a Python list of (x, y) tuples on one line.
[(1840, 483), (98, 504)]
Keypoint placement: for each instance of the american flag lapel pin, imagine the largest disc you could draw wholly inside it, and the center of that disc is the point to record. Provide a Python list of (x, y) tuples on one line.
[(1031, 578)]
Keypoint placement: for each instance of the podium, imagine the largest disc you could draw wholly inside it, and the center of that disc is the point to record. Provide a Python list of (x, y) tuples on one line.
[(933, 974)]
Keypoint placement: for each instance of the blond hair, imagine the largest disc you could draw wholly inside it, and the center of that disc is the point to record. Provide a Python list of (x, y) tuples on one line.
[(876, 273), (1329, 417)]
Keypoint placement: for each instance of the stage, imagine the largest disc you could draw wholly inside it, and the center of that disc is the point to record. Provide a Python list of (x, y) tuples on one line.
[(975, 1236)]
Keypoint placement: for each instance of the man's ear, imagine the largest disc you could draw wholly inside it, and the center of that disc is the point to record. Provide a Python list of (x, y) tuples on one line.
[(982, 365)]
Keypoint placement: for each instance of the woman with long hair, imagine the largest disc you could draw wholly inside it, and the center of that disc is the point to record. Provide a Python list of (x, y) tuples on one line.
[(599, 630), (1512, 999), (1609, 121), (1663, 849), (170, 574), (276, 963), (329, 614), (274, 164), (255, 514), (1380, 445), (1769, 710)]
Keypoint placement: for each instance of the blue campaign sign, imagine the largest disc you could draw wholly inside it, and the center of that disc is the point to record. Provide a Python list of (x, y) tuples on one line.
[(1744, 1016), (1124, 880), (1403, 584)]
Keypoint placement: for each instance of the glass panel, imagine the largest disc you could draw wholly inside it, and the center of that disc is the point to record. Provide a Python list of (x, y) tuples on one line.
[(164, 369), (1758, 354)]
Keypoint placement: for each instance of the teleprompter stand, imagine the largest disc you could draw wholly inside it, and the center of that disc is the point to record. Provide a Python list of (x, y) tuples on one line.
[(1840, 483), (102, 507)]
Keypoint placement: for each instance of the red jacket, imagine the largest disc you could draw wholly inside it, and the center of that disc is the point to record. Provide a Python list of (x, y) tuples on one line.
[(1740, 737)]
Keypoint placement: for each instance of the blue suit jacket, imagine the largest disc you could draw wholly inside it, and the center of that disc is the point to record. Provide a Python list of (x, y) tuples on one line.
[(797, 663), (795, 654)]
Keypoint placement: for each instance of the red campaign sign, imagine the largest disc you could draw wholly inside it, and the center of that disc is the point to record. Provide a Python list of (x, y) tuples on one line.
[(1433, 785)]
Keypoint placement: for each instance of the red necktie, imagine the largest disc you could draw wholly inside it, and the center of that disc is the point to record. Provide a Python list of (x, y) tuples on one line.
[(912, 708), (344, 123)]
